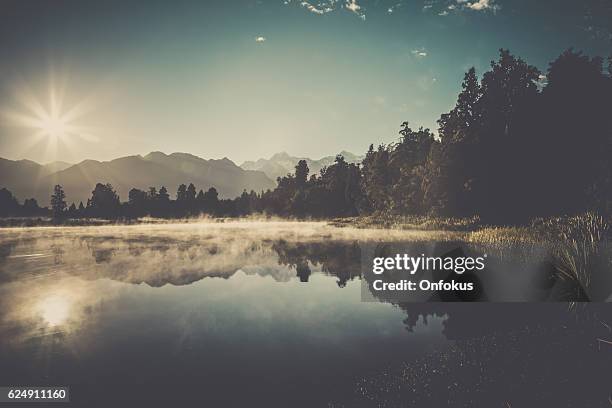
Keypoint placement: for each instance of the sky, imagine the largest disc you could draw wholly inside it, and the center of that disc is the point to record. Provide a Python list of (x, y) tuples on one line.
[(245, 79)]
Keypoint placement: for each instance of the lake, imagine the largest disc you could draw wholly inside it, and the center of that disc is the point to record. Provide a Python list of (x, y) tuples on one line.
[(270, 313)]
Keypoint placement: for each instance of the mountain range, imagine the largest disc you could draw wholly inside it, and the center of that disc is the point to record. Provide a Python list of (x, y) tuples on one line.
[(25, 178), (282, 163)]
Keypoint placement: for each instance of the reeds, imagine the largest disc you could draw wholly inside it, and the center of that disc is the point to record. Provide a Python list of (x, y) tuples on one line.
[(409, 222), (581, 246)]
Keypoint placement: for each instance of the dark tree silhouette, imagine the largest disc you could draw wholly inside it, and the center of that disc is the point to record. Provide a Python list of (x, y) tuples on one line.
[(8, 203), (377, 179), (58, 201), (190, 194), (181, 193), (577, 133), (210, 201), (452, 167), (105, 201), (301, 174), (30, 207), (72, 210), (163, 195), (138, 202)]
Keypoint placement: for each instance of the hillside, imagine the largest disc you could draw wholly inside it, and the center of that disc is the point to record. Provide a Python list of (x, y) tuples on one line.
[(29, 179)]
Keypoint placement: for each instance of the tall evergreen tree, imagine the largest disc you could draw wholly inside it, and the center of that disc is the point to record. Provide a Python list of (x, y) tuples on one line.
[(58, 201)]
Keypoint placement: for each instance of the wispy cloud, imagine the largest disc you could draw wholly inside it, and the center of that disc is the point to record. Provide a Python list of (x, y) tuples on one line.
[(480, 5), (327, 6), (320, 8), (448, 7), (419, 53), (393, 8), (352, 5), (260, 39), (440, 7)]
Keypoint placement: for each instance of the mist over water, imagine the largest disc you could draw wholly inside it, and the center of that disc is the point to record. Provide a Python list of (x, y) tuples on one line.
[(228, 312)]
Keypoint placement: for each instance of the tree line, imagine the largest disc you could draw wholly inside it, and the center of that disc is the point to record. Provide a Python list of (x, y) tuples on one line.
[(517, 144)]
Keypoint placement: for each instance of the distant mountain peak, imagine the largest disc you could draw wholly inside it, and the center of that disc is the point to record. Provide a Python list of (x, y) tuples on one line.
[(88, 161), (184, 156), (280, 164), (154, 155), (280, 155), (58, 162)]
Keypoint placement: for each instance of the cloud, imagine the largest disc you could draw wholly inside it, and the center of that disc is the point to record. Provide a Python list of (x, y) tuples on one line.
[(448, 7), (419, 53), (321, 8), (327, 6), (392, 9), (260, 39), (352, 5), (480, 5), (440, 7)]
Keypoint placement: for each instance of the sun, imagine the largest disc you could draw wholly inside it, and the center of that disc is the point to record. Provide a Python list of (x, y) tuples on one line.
[(54, 126), (48, 117), (51, 121)]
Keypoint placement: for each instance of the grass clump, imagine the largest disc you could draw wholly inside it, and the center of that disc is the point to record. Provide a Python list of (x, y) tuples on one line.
[(581, 245)]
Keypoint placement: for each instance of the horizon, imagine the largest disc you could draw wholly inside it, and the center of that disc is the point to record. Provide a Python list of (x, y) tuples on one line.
[(248, 79), (177, 152)]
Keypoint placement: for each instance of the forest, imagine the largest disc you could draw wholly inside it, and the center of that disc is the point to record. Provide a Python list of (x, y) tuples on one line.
[(518, 144)]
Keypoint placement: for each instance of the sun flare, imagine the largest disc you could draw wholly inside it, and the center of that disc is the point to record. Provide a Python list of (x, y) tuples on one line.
[(54, 126), (49, 118)]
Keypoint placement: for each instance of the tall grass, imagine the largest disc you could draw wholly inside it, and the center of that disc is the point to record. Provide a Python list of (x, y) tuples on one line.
[(581, 245), (578, 247), (409, 222)]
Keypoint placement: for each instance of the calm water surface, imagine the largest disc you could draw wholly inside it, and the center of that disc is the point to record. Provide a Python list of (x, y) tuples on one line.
[(269, 314)]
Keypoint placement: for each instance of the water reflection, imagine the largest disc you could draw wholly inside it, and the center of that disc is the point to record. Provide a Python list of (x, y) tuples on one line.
[(54, 309), (276, 312)]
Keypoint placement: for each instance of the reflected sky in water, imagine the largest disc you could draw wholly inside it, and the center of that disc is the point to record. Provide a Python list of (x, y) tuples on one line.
[(270, 312)]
